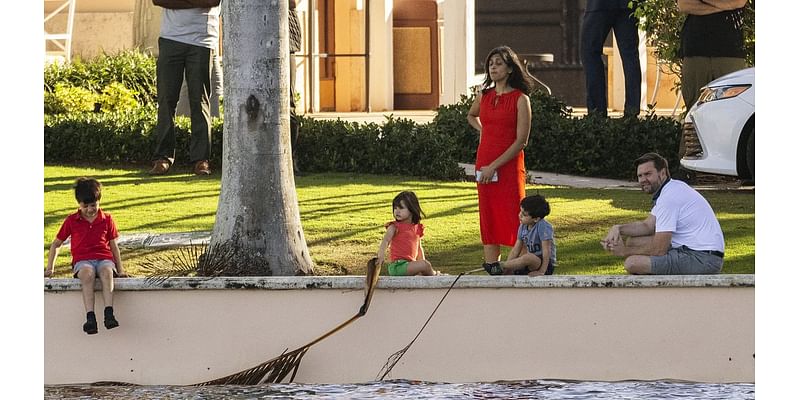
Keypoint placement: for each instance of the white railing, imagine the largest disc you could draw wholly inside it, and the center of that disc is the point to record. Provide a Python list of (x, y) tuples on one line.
[(61, 40)]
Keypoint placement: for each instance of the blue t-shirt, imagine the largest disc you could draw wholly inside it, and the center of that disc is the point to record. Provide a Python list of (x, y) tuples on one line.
[(533, 237)]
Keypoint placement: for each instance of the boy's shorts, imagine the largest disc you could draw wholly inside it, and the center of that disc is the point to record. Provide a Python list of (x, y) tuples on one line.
[(398, 268), (685, 261), (94, 264)]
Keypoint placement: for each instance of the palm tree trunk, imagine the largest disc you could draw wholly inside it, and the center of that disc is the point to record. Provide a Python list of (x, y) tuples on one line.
[(258, 214)]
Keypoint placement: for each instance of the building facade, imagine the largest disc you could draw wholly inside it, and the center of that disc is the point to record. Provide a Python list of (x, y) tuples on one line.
[(382, 55)]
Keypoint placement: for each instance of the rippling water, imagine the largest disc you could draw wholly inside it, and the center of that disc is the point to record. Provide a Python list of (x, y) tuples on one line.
[(403, 389)]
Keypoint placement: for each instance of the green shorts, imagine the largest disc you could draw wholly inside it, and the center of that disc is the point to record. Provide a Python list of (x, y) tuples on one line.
[(398, 268)]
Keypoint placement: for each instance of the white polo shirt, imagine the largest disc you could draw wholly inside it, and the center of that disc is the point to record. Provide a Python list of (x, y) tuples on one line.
[(683, 211)]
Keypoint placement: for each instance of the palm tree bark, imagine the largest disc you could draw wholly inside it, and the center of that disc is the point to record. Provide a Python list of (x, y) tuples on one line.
[(258, 214)]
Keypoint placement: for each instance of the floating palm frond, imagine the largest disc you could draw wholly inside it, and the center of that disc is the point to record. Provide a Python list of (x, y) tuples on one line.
[(276, 369)]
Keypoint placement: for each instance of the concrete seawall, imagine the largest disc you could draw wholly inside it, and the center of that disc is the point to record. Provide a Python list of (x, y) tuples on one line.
[(608, 328)]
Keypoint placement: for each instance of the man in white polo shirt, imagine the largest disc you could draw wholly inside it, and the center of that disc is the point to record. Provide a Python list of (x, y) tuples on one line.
[(680, 236)]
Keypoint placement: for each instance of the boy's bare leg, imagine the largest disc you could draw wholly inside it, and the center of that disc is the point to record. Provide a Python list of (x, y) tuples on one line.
[(86, 275), (420, 267), (106, 272), (532, 261), (107, 283)]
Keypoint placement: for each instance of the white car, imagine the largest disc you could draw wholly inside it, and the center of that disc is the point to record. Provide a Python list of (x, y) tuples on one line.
[(719, 132)]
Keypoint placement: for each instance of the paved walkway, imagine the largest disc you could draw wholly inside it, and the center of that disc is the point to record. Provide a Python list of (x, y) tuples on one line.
[(553, 179)]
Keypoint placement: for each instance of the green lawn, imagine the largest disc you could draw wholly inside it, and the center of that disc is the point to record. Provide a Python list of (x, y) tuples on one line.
[(343, 217)]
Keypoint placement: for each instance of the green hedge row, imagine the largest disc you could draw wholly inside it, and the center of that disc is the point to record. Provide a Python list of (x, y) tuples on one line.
[(114, 137), (559, 142), (398, 146)]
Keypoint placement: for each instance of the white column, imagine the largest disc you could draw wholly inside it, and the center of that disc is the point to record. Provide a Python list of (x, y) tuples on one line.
[(381, 50), (457, 48)]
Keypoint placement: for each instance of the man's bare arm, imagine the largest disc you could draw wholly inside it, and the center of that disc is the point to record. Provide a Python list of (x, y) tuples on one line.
[(661, 243)]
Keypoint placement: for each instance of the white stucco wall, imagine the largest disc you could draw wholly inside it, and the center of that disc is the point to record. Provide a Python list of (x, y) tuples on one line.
[(606, 328)]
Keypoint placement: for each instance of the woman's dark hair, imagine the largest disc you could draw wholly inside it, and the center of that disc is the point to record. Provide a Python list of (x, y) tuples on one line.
[(519, 78), (536, 206), (412, 204), (87, 190)]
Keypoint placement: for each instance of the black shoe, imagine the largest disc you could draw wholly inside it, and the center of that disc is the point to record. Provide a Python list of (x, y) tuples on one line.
[(109, 321), (493, 268), (90, 327)]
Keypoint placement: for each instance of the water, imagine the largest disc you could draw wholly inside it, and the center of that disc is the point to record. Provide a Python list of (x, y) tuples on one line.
[(404, 389)]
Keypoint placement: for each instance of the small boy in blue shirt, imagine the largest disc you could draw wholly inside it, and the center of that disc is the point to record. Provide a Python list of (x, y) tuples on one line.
[(534, 253)]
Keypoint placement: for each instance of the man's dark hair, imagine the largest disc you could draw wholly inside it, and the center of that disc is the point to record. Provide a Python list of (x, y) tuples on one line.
[(536, 206), (87, 190), (658, 161)]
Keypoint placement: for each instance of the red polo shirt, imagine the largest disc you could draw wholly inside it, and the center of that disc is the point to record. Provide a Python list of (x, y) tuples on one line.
[(89, 241)]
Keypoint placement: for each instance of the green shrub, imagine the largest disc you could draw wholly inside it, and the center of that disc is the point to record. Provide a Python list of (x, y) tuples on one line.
[(601, 147), (132, 68), (69, 99), (399, 146), (117, 97), (117, 136)]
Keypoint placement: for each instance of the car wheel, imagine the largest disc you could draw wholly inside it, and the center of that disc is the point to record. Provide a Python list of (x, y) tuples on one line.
[(751, 154)]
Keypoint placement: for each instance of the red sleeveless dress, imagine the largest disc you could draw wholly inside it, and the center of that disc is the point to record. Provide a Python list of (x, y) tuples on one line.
[(498, 202)]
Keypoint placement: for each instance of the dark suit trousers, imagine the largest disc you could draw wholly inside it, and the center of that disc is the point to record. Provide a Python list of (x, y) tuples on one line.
[(174, 60), (595, 29)]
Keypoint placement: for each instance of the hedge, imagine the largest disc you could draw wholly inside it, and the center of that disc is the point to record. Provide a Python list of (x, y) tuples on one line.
[(559, 142)]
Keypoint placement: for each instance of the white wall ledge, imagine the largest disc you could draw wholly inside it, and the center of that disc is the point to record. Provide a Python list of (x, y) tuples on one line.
[(437, 282)]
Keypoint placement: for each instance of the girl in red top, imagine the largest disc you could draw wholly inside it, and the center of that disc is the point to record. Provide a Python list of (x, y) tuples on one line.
[(405, 235)]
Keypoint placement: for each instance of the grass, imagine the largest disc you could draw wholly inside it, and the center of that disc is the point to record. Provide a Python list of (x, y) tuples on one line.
[(343, 216)]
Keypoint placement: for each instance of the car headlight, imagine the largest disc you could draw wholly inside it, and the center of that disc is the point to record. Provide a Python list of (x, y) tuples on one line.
[(720, 92)]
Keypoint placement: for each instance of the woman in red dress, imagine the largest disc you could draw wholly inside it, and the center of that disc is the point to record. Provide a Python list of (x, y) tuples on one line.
[(502, 115)]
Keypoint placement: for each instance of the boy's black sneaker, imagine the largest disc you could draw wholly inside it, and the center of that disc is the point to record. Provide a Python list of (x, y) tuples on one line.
[(90, 327), (493, 268), (109, 321)]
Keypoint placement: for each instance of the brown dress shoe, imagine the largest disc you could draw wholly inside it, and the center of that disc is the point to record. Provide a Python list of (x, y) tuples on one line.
[(160, 167), (201, 168)]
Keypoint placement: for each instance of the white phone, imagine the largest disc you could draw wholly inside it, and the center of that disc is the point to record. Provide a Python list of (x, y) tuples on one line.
[(478, 176)]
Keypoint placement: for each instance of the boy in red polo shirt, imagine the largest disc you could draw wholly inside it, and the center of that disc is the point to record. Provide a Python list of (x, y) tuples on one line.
[(94, 251)]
